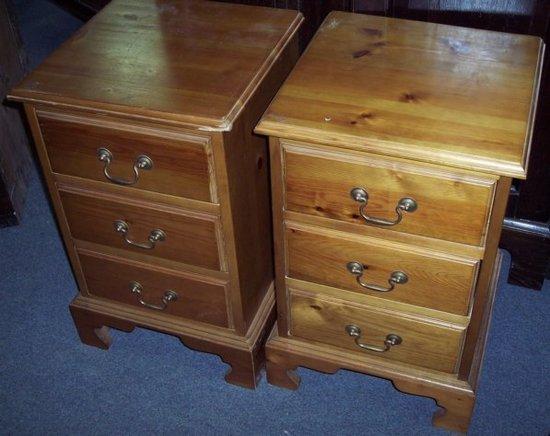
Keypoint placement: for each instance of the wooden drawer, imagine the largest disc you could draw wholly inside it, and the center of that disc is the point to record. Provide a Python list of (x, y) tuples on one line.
[(180, 162), (198, 299), (453, 206), (425, 342), (433, 280), (189, 237)]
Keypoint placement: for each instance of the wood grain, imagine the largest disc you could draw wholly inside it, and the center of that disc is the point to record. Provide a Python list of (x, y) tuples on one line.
[(280, 257), (187, 61), (318, 182), (429, 92), (454, 397), (148, 197), (199, 300), (183, 82), (426, 344), (402, 109), (475, 337), (55, 199), (434, 280), (244, 354), (246, 160), (152, 261), (91, 218), (360, 229), (180, 162), (378, 304)]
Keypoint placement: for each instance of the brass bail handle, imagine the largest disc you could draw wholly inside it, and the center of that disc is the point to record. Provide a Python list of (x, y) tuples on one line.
[(156, 235), (141, 163), (358, 269), (406, 204), (390, 341), (169, 296)]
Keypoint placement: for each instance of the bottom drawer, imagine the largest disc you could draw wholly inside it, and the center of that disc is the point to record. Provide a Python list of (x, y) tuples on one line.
[(181, 295), (424, 342)]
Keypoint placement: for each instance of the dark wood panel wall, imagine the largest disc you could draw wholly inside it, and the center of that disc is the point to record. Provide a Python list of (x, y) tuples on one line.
[(15, 157), (526, 231)]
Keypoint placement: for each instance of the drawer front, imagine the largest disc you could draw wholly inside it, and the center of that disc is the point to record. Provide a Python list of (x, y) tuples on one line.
[(128, 283), (186, 238), (396, 272), (430, 345), (179, 166), (449, 206)]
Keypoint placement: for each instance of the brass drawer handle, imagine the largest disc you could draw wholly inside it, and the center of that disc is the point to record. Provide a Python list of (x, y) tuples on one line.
[(405, 204), (156, 235), (396, 277), (390, 341), (142, 163), (169, 296)]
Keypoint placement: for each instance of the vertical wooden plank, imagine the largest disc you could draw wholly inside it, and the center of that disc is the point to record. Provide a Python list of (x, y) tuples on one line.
[(247, 165), (475, 330), (55, 198), (236, 319), (277, 204)]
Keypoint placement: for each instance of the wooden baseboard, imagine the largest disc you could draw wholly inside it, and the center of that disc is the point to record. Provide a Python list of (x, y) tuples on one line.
[(455, 397), (245, 354), (181, 327)]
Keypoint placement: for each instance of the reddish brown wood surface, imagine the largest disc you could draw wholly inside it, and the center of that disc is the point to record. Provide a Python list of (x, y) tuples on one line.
[(183, 82), (431, 344), (197, 299), (92, 219), (246, 158), (434, 280), (318, 181), (430, 92), (244, 355), (180, 162), (180, 60), (335, 112)]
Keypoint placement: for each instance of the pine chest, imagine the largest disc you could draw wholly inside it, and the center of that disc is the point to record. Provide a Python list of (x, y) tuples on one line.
[(143, 123), (393, 144)]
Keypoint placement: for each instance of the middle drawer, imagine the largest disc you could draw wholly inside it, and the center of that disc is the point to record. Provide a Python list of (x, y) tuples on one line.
[(184, 237), (380, 268)]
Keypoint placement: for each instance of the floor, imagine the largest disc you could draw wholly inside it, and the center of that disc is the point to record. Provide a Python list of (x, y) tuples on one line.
[(147, 383)]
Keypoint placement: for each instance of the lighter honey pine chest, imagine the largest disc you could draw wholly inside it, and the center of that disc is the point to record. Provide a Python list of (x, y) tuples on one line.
[(143, 122), (393, 144)]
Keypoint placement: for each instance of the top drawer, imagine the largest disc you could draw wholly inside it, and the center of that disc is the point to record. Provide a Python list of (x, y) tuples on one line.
[(448, 205), (179, 163)]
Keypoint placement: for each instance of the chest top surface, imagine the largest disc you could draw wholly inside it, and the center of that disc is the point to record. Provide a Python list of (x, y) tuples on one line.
[(188, 61), (436, 93)]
